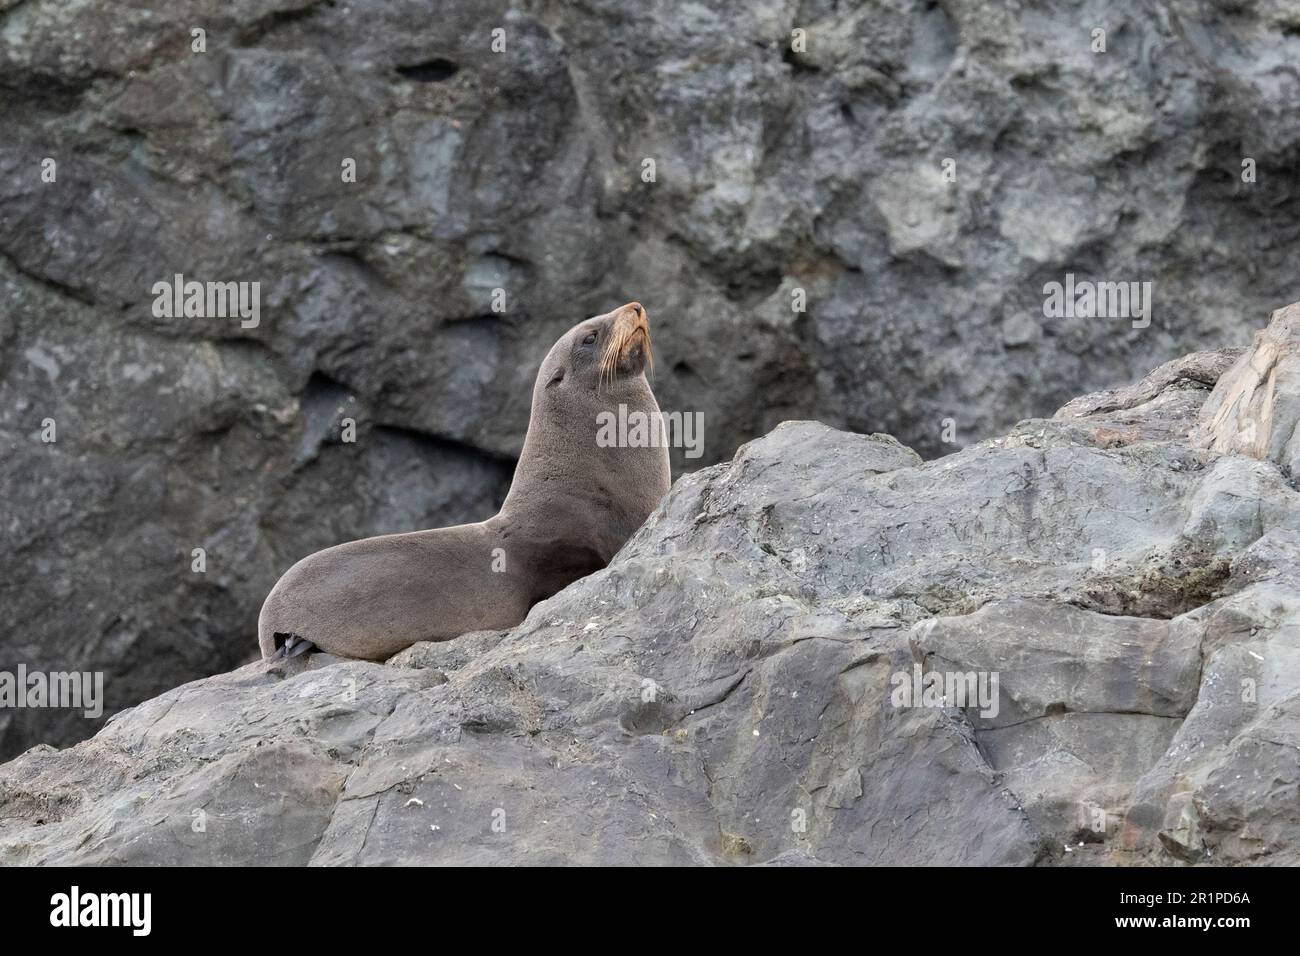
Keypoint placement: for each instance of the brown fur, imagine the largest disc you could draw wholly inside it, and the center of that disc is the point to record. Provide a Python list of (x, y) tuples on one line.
[(571, 506)]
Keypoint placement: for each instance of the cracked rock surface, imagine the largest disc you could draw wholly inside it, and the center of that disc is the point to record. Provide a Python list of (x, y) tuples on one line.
[(777, 170), (725, 691)]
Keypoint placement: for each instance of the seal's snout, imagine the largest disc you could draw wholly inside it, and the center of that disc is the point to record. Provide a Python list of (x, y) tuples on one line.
[(628, 350), (636, 318)]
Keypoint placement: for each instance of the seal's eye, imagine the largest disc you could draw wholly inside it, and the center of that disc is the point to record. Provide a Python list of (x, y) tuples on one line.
[(590, 339)]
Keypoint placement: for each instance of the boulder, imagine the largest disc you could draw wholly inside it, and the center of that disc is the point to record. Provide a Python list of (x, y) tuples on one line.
[(1255, 408), (1052, 647)]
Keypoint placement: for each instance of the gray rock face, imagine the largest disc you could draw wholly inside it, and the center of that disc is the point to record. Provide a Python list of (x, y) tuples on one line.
[(777, 170), (1078, 643)]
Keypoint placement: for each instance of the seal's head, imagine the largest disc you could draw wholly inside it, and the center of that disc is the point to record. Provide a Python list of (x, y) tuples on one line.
[(606, 353)]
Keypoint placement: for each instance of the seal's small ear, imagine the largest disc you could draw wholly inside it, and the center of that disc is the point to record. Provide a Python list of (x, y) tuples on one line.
[(557, 378)]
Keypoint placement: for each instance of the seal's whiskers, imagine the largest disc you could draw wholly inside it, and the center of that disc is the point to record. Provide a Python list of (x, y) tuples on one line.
[(619, 339)]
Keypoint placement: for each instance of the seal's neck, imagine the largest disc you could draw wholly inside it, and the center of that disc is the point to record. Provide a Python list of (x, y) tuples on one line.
[(572, 483)]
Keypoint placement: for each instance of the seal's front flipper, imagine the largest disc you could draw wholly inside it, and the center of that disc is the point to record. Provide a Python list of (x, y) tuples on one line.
[(290, 645)]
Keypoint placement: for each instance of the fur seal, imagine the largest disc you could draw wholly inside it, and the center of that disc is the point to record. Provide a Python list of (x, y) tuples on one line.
[(572, 504)]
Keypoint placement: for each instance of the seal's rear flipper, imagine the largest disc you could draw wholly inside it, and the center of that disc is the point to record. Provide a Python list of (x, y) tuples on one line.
[(290, 645)]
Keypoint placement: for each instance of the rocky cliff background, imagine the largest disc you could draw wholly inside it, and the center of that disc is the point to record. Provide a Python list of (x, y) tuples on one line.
[(522, 170)]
